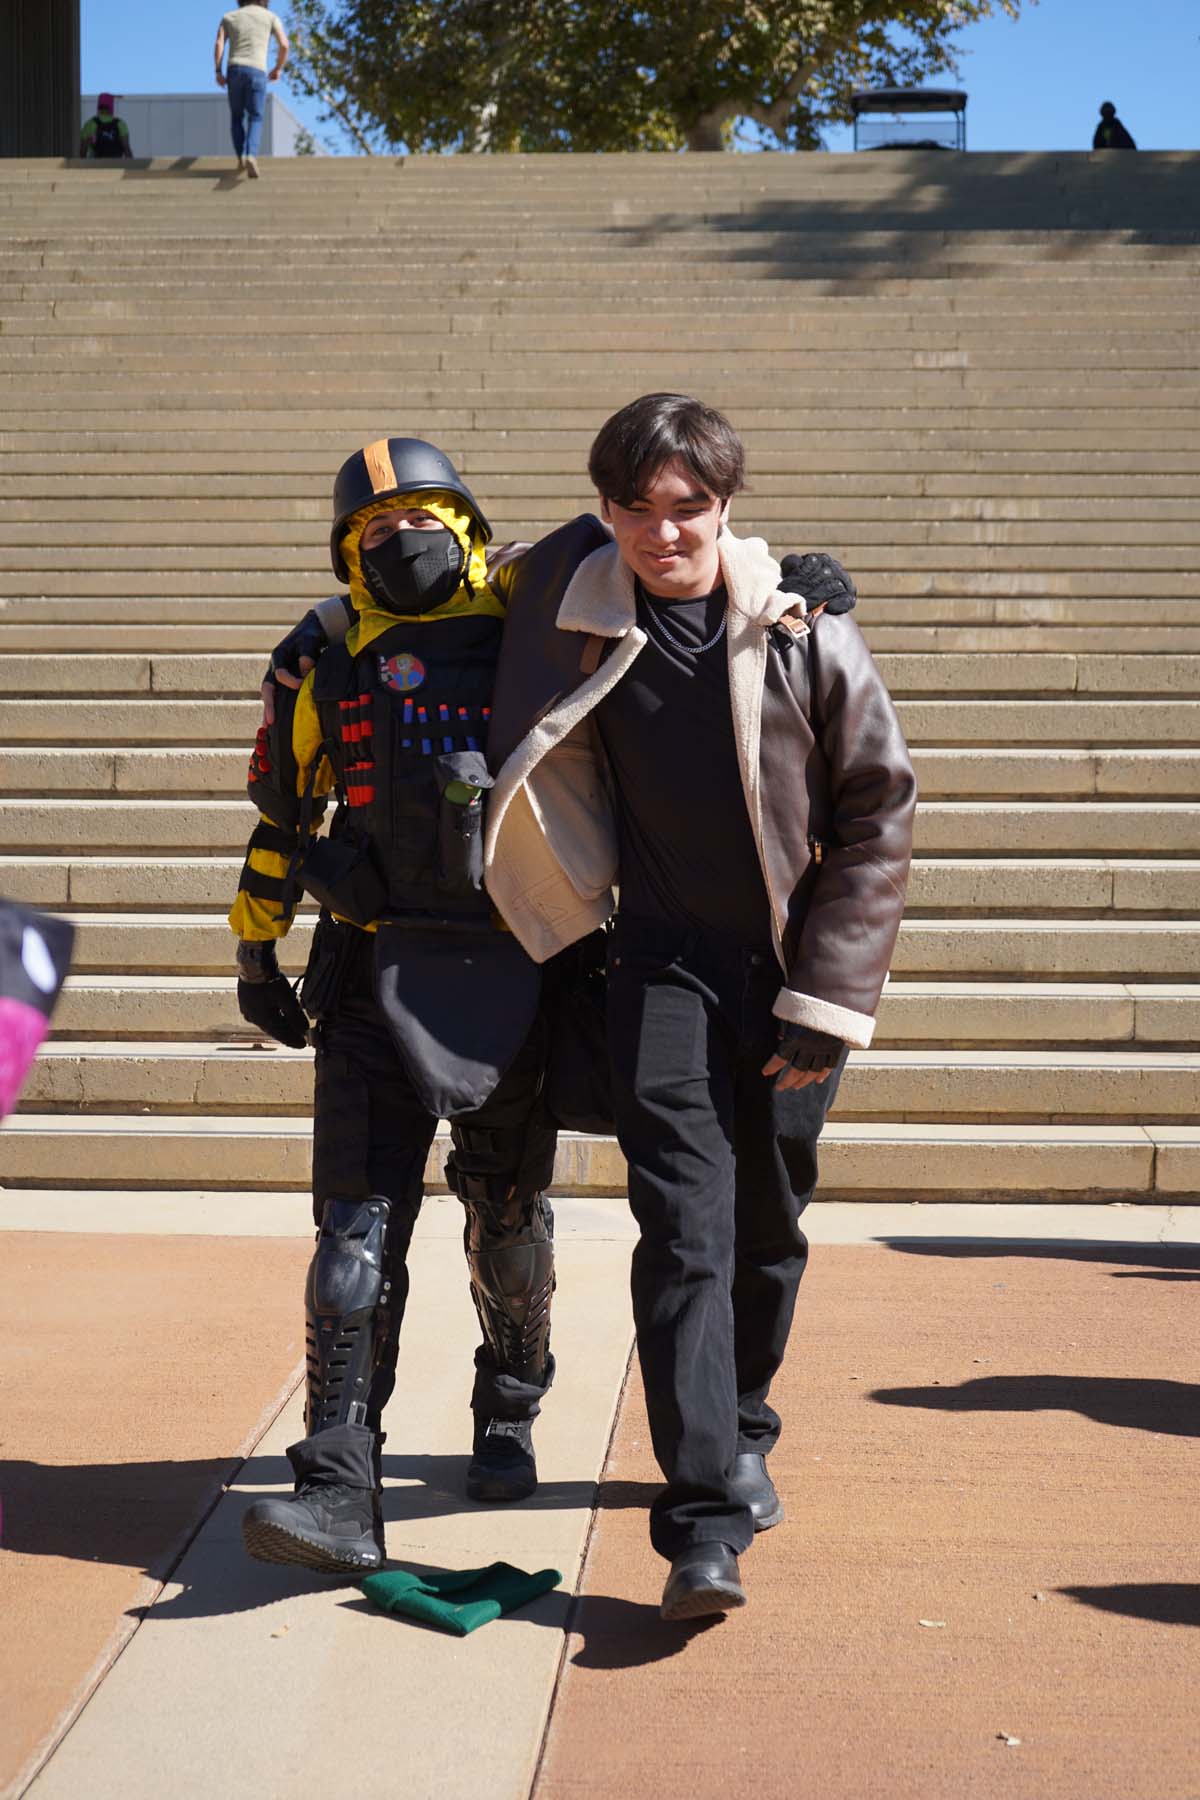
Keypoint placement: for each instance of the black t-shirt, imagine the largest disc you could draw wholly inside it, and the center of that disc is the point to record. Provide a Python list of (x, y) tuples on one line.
[(687, 850)]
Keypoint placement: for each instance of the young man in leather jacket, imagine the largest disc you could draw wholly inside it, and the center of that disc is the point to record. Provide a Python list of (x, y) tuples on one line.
[(672, 726)]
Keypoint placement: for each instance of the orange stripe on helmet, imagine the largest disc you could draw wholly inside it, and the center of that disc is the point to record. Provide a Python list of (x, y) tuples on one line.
[(379, 467)]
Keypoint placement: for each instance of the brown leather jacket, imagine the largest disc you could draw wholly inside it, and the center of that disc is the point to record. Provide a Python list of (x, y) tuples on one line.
[(829, 786)]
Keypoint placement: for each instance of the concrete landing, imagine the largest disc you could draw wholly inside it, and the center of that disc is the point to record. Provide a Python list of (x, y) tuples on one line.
[(984, 1404)]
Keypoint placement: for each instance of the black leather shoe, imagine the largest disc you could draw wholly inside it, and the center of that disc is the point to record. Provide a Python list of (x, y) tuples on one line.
[(324, 1526), (703, 1579), (751, 1483), (502, 1466)]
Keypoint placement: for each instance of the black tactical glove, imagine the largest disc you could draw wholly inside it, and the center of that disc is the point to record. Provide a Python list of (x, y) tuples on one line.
[(266, 998), (802, 1048), (821, 579), (308, 638)]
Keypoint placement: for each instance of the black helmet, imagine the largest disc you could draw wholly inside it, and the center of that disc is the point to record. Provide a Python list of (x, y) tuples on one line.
[(394, 465)]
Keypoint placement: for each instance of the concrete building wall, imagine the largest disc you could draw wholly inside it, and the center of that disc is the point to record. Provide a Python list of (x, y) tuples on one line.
[(39, 77), (194, 124)]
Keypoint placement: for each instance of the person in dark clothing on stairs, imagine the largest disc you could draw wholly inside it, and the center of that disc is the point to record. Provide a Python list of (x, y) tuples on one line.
[(104, 135), (1110, 134)]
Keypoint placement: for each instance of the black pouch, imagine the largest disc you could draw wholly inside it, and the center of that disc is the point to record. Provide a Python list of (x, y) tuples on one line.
[(578, 1088), (341, 875), (462, 778), (334, 947)]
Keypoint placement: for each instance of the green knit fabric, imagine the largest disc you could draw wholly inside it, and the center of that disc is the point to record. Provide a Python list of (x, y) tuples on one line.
[(457, 1600)]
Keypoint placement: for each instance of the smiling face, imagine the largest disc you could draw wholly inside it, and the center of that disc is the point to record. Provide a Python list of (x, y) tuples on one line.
[(668, 534)]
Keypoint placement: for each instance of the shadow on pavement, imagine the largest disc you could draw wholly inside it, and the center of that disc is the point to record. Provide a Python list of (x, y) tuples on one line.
[(1163, 1602), (1132, 1402), (140, 1514), (135, 1515), (438, 1491), (616, 1496), (1161, 1262), (627, 1634)]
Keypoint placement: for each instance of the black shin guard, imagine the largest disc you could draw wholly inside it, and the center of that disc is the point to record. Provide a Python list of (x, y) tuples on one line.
[(510, 1254), (348, 1304)]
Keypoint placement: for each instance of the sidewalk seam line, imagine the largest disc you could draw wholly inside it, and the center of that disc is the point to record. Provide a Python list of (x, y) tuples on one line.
[(112, 1652), (573, 1608)]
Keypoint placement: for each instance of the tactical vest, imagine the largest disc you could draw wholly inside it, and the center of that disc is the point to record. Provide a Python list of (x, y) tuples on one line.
[(405, 726)]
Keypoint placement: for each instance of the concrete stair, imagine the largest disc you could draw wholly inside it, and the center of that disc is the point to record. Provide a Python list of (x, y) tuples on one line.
[(974, 379)]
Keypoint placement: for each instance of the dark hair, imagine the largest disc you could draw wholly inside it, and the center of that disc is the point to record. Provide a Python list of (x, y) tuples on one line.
[(636, 443)]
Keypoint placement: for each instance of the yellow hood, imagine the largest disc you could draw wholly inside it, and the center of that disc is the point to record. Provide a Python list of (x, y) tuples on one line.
[(473, 594)]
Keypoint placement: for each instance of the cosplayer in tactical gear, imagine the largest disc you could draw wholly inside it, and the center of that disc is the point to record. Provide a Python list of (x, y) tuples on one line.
[(423, 1006)]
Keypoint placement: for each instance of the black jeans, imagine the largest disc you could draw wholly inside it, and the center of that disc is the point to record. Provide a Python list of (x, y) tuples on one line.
[(721, 1165), (371, 1135)]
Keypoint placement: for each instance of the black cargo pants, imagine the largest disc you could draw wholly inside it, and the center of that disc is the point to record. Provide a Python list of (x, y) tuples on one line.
[(721, 1166), (372, 1135)]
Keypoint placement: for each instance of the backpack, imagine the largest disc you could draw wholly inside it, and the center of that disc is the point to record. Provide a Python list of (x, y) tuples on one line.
[(107, 141)]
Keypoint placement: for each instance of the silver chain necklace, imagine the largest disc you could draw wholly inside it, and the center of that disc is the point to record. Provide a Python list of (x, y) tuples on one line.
[(688, 649)]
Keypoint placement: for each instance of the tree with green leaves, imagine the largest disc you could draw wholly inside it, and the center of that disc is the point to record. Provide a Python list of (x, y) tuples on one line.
[(437, 75)]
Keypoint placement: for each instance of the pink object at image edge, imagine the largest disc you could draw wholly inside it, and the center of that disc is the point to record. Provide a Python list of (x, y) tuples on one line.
[(22, 1029)]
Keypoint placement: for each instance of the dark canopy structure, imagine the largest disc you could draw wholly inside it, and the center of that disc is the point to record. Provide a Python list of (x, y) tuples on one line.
[(39, 78), (909, 119)]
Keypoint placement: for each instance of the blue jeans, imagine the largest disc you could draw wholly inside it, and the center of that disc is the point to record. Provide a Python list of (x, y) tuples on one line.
[(247, 104)]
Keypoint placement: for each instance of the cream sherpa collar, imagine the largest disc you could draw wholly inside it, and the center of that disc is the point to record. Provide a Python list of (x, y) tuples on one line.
[(601, 599)]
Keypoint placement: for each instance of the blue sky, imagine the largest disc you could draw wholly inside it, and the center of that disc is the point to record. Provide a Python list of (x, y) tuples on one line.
[(1033, 85)]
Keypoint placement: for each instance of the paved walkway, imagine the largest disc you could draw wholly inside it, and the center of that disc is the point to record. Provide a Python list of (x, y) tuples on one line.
[(992, 1429)]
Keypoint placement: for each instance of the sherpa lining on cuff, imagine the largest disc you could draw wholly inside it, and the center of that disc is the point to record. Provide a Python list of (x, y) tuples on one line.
[(854, 1028)]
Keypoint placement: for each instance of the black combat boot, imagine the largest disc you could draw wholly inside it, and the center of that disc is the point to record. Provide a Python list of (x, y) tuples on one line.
[(333, 1521), (502, 1465)]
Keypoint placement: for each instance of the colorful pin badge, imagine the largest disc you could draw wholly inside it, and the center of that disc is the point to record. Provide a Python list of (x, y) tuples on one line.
[(403, 672)]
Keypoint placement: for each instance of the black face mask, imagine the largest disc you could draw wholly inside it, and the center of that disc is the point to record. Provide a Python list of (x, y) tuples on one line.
[(414, 571)]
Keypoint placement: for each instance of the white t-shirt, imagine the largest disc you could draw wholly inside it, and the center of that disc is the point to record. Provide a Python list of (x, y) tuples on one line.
[(248, 30)]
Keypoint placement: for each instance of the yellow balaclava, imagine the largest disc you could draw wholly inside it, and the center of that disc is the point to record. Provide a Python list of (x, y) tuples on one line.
[(473, 594)]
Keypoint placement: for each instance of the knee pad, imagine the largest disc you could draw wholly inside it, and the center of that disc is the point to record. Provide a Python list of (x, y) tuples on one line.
[(348, 1307)]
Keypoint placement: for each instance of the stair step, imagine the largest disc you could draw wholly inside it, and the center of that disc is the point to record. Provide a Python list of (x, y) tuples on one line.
[(1082, 1162), (935, 1013), (1098, 950), (167, 719), (201, 772), (990, 676), (966, 828), (954, 638), (903, 1085), (994, 887)]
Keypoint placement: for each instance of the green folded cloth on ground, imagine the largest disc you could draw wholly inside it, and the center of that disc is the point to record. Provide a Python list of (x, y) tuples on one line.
[(457, 1600)]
